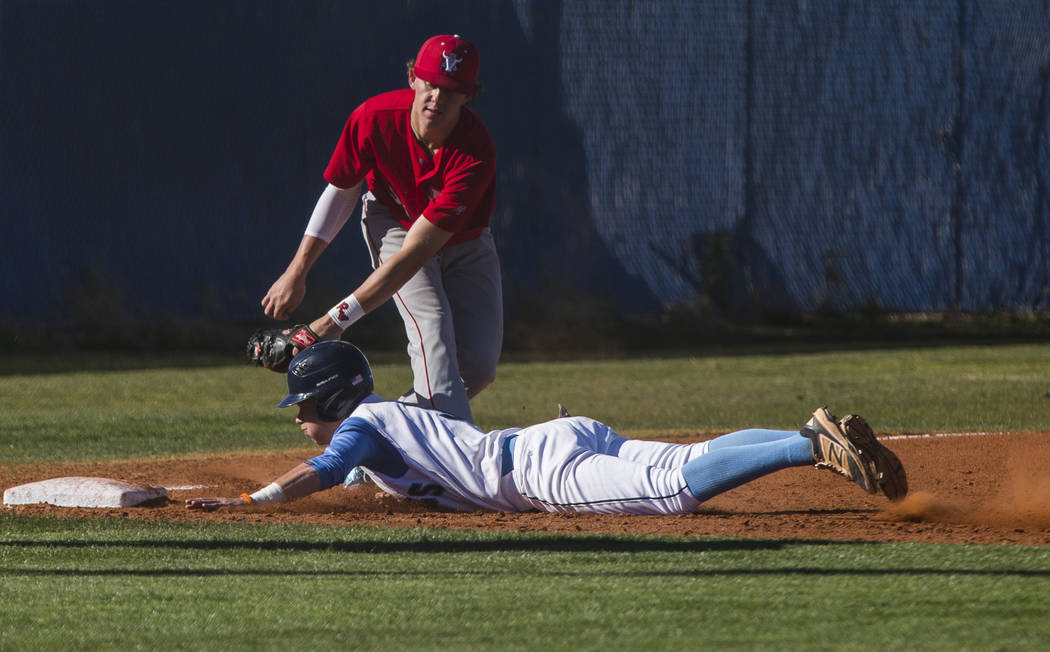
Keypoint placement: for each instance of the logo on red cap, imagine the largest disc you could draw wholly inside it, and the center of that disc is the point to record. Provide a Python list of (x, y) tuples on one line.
[(449, 61)]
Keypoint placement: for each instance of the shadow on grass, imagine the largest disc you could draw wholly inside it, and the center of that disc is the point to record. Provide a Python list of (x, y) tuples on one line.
[(550, 543), (512, 545), (26, 364), (474, 572), (37, 348)]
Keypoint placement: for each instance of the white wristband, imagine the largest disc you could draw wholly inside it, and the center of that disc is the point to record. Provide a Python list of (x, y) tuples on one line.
[(271, 493), (346, 312)]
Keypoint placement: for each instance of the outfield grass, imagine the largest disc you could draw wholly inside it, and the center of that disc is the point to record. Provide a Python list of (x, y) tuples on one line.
[(122, 584), (142, 411), (970, 388), (127, 584)]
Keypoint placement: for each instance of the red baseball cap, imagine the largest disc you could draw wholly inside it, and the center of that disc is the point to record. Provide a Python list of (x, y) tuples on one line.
[(449, 61)]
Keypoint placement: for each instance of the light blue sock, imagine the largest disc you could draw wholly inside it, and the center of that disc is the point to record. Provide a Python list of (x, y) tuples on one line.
[(727, 467), (749, 436)]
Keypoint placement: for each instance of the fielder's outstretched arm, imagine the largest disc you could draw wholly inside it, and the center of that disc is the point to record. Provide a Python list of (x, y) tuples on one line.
[(422, 241), (288, 290), (332, 211), (301, 481)]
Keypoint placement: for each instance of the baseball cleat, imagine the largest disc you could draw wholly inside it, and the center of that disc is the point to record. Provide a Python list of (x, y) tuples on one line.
[(888, 470), (833, 449), (562, 412)]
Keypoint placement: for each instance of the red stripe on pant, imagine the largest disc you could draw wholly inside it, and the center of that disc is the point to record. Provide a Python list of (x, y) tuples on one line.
[(419, 331)]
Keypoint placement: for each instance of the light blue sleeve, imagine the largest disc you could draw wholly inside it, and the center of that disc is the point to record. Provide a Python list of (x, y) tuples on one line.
[(356, 443)]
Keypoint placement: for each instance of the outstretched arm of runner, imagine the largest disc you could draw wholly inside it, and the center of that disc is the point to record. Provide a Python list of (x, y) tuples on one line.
[(301, 481)]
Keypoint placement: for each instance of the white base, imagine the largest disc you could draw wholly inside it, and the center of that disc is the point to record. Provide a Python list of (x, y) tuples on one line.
[(82, 492)]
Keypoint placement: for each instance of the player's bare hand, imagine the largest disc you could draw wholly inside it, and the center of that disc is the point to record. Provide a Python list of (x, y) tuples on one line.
[(284, 296), (212, 504)]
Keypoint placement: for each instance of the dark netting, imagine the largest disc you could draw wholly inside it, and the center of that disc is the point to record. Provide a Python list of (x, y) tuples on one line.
[(818, 155), (751, 157)]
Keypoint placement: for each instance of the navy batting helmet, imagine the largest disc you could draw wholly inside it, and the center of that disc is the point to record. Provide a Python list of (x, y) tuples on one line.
[(336, 373)]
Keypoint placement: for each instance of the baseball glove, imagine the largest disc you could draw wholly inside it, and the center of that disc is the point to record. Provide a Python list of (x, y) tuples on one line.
[(275, 348)]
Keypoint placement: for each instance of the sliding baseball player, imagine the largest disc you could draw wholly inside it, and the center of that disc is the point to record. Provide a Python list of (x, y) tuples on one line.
[(571, 464)]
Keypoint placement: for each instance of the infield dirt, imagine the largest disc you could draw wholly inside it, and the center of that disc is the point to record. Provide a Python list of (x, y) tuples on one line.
[(987, 488)]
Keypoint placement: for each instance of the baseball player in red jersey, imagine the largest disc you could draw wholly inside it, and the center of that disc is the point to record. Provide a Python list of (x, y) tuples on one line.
[(429, 165)]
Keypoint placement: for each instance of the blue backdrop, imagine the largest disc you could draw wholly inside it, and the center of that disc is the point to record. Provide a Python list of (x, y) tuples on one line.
[(162, 158)]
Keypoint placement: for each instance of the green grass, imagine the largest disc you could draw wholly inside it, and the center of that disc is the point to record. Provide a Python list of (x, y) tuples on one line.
[(113, 413), (126, 584), (142, 412), (135, 585), (970, 388)]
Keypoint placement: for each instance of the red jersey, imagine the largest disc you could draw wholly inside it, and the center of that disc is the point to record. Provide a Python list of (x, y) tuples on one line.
[(454, 189)]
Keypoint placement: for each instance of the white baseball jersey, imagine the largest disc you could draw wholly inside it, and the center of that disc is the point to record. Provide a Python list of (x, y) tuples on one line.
[(571, 464), (449, 461)]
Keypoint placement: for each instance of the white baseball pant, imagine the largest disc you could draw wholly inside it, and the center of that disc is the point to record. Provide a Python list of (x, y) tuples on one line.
[(580, 465)]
